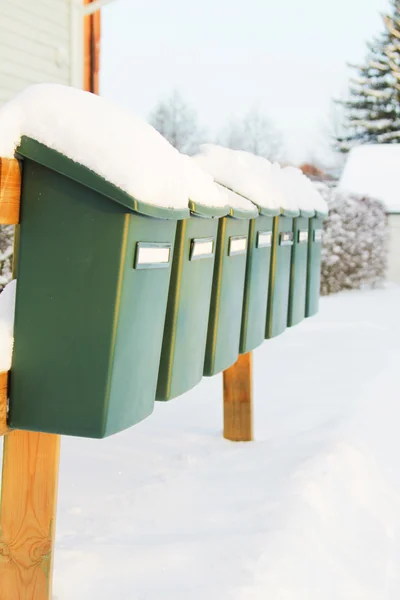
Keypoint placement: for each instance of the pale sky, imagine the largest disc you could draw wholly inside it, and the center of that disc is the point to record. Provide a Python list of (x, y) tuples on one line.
[(287, 58)]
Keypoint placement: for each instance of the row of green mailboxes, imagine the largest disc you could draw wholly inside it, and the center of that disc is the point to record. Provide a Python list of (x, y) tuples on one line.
[(116, 308)]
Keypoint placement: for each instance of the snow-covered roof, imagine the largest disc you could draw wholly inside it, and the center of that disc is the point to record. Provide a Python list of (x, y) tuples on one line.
[(115, 144), (373, 170)]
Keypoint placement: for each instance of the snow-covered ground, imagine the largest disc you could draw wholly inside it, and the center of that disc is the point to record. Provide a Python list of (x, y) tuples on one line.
[(309, 511)]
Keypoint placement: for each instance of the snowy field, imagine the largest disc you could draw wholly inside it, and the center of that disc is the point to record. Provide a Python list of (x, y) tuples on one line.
[(309, 511)]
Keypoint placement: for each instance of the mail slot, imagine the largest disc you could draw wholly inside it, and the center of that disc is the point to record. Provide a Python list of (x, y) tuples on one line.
[(152, 256), (93, 268), (225, 319)]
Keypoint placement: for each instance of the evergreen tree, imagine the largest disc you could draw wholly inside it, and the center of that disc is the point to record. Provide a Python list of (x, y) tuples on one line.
[(373, 109)]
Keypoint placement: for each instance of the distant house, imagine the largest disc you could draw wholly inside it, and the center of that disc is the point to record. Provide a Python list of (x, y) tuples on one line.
[(374, 170), (47, 41)]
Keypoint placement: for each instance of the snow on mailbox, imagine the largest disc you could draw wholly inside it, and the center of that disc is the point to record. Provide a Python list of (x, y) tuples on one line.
[(102, 192)]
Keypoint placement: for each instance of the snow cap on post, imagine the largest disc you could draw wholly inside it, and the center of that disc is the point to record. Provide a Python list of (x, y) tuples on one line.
[(126, 152)]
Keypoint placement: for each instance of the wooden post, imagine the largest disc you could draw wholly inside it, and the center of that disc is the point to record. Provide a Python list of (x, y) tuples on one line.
[(91, 61), (30, 471), (31, 460), (238, 400), (10, 191), (3, 404), (27, 515)]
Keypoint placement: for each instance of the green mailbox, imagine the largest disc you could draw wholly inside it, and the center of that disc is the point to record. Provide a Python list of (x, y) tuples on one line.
[(299, 268), (314, 262), (257, 279), (93, 272), (224, 327), (281, 254), (184, 343)]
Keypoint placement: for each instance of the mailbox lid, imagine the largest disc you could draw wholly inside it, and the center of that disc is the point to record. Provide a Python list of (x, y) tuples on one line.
[(256, 283), (185, 334), (59, 163)]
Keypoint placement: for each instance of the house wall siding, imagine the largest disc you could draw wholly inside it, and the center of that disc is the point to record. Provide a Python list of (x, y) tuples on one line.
[(34, 44)]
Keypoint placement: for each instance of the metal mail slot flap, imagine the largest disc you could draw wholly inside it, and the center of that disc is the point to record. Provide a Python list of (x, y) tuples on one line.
[(264, 239), (286, 238), (318, 235), (237, 245), (201, 248), (152, 255), (303, 236)]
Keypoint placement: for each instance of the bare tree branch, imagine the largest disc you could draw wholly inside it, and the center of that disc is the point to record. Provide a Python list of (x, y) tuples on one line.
[(177, 122), (255, 133)]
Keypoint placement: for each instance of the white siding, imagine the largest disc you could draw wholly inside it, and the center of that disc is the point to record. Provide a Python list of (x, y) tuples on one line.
[(394, 248), (34, 44)]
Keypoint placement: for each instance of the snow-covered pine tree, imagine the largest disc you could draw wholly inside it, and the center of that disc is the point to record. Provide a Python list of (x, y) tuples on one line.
[(372, 112)]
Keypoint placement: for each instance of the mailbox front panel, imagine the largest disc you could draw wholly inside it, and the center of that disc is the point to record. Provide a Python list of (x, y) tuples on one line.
[(256, 284), (224, 325), (314, 266), (88, 326), (298, 271), (278, 295), (143, 305), (185, 334)]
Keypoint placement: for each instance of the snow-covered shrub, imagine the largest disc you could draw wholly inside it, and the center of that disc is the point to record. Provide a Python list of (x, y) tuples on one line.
[(6, 253), (354, 251)]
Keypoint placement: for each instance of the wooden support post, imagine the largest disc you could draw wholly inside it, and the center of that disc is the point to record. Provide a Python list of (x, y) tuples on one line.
[(238, 400), (30, 471), (27, 515), (10, 191), (3, 404), (91, 61)]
